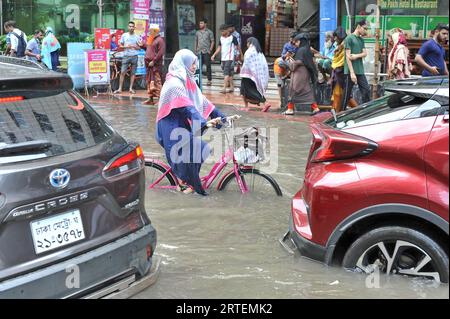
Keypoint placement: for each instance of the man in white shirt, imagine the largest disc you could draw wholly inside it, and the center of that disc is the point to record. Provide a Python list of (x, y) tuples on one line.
[(227, 46), (18, 39)]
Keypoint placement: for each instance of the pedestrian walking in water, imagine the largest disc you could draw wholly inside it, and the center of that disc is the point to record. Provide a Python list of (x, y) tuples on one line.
[(303, 76), (154, 54), (398, 61), (204, 46), (254, 74)]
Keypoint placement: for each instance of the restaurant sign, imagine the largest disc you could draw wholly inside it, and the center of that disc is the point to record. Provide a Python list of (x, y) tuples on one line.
[(409, 4)]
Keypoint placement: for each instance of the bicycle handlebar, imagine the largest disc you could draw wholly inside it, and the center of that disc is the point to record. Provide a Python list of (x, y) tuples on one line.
[(228, 120)]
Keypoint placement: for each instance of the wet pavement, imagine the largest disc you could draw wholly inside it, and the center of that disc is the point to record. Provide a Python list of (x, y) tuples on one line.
[(226, 245)]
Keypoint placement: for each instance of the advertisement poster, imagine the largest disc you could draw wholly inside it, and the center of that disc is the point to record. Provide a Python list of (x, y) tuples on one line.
[(328, 19), (102, 38), (248, 4), (156, 5), (76, 62), (140, 70), (186, 26), (247, 29), (412, 26), (433, 21), (141, 9), (157, 17), (118, 33), (97, 67), (141, 28)]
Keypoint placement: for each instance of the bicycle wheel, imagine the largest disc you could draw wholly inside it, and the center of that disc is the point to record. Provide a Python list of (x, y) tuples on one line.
[(256, 181), (153, 172)]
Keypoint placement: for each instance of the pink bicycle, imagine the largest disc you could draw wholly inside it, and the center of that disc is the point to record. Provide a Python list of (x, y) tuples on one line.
[(241, 177)]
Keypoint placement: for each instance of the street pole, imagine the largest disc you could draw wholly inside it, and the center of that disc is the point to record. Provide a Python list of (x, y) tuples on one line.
[(1, 17), (100, 12), (377, 53)]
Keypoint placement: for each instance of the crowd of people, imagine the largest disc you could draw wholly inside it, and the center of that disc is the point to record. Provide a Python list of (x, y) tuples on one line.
[(43, 48), (340, 64)]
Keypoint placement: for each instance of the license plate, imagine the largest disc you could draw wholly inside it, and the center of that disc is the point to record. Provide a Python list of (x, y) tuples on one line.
[(57, 231)]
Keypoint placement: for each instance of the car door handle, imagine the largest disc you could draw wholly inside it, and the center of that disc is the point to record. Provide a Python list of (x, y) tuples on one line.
[(445, 119)]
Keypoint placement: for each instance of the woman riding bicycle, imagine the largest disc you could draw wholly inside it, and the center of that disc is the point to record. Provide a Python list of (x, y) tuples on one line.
[(181, 120)]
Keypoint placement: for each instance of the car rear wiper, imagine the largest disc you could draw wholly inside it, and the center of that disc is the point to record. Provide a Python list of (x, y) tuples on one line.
[(24, 147)]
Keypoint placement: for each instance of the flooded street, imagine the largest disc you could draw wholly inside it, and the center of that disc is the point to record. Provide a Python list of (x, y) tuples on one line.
[(226, 245)]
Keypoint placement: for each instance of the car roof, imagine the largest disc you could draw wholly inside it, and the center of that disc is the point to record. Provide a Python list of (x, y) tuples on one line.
[(19, 74), (425, 86)]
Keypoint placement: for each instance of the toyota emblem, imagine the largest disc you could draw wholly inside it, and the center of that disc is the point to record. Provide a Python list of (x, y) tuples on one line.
[(59, 178)]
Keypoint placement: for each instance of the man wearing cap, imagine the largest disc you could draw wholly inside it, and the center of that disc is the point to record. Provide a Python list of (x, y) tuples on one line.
[(155, 50)]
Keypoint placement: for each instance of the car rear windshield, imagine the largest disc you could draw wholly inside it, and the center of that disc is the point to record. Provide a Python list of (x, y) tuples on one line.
[(44, 124), (391, 107)]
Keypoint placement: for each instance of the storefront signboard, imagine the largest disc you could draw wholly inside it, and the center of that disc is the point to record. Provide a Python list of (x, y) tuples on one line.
[(409, 4), (186, 26), (76, 63), (412, 26), (96, 67), (433, 21), (371, 21)]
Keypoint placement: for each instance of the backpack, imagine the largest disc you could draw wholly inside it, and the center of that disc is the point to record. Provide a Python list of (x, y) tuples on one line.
[(22, 45)]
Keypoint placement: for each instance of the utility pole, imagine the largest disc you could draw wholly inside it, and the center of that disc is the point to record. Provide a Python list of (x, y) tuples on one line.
[(377, 53), (100, 12), (1, 17)]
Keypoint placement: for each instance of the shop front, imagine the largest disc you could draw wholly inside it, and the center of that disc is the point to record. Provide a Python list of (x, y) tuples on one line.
[(183, 17), (417, 19)]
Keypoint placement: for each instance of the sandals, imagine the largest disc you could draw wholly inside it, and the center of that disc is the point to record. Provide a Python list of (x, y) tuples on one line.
[(184, 189), (132, 91), (288, 112), (117, 92)]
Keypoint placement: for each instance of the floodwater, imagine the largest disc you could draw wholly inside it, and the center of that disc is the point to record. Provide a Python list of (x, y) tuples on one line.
[(226, 245)]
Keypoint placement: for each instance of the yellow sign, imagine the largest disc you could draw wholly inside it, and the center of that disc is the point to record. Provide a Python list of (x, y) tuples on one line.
[(140, 26), (97, 67)]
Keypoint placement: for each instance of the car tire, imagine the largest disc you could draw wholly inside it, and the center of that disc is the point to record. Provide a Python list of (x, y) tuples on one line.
[(407, 249)]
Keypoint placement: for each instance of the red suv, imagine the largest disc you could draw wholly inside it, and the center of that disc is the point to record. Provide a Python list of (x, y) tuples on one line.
[(375, 191)]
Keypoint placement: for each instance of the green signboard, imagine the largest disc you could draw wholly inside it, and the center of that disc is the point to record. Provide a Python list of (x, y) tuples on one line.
[(433, 21), (371, 22), (412, 26), (409, 4)]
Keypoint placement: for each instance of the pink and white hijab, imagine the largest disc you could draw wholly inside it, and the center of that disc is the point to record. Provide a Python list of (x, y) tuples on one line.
[(180, 89)]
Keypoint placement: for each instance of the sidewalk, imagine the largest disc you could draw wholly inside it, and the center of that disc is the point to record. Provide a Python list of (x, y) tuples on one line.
[(229, 99), (216, 98)]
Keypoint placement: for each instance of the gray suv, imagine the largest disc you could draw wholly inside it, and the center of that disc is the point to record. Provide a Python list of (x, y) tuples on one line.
[(72, 216)]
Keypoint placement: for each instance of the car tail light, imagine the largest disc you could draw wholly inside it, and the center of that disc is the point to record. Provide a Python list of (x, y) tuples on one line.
[(125, 163), (332, 145), (10, 99)]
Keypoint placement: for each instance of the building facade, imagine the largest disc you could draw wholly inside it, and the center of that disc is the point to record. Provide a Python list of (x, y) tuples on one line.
[(66, 17)]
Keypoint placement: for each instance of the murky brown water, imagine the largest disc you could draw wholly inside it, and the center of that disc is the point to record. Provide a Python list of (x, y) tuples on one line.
[(226, 245)]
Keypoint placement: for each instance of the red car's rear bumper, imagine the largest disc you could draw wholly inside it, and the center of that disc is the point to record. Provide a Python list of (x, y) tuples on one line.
[(300, 231)]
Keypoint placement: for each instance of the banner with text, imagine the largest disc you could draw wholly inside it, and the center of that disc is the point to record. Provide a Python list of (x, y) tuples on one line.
[(97, 67)]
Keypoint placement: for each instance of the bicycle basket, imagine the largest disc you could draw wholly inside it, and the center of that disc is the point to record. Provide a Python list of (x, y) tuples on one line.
[(249, 146)]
